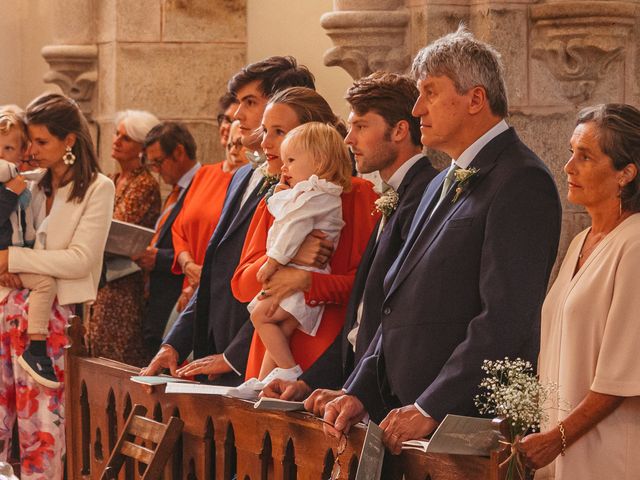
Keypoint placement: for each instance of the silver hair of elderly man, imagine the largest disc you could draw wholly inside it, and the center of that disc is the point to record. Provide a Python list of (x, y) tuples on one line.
[(468, 62)]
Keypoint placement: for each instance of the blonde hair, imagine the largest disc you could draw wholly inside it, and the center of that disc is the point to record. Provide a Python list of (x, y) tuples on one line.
[(330, 154), (10, 118)]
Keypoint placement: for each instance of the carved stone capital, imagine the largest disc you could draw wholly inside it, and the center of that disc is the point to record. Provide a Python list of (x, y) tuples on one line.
[(74, 70), (580, 41), (368, 40)]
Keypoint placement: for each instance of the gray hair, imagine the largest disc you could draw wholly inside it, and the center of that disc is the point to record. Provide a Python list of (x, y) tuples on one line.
[(137, 123), (468, 62), (618, 133)]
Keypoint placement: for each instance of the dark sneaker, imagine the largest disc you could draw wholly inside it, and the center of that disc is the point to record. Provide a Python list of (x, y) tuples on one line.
[(40, 367)]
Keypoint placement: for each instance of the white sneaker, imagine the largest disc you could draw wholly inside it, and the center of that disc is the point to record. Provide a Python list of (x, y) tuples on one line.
[(288, 374), (248, 390)]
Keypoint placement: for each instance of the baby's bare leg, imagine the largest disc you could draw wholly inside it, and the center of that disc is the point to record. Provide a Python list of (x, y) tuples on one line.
[(267, 365), (274, 332)]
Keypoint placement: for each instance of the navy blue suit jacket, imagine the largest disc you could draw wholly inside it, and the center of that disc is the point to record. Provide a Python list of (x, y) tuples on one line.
[(367, 287), (470, 287), (164, 286), (214, 321), (8, 204)]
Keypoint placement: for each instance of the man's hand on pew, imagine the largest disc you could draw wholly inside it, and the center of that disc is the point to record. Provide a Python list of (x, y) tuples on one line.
[(340, 414), (318, 400), (213, 366), (406, 423), (295, 391), (167, 357)]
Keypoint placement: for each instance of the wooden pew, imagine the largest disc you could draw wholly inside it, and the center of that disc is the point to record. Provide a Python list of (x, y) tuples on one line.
[(223, 435)]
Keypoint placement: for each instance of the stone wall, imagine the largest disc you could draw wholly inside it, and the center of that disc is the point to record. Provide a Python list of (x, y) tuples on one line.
[(25, 26), (559, 56), (171, 57)]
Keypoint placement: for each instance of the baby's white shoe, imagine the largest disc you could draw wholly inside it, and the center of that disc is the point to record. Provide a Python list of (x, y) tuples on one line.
[(287, 374)]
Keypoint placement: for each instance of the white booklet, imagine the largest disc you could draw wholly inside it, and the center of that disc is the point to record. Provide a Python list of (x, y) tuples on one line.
[(458, 435), (420, 445), (126, 239), (158, 380), (265, 403), (372, 454), (201, 388)]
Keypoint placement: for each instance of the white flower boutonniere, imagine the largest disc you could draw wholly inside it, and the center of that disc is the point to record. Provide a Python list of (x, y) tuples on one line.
[(387, 203), (464, 177), (269, 179)]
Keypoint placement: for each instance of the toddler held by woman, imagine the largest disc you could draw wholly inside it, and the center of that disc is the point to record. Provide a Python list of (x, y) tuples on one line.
[(17, 228), (316, 170)]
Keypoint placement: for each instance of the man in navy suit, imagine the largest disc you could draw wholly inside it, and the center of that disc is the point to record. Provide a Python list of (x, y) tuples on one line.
[(469, 282), (383, 137), (171, 150), (214, 323)]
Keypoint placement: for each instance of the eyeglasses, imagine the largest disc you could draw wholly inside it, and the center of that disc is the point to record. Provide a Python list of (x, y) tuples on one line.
[(157, 163), (29, 160), (222, 118), (236, 144)]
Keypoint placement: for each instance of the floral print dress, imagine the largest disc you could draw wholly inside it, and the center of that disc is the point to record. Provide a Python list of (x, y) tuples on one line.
[(115, 325), (40, 410)]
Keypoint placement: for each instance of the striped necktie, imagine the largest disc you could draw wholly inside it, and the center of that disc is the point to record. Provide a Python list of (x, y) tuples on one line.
[(169, 203)]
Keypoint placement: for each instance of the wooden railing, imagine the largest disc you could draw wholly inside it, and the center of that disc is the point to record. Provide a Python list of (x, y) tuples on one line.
[(224, 436)]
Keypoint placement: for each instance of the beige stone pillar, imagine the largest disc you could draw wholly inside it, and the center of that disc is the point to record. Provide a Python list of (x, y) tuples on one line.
[(171, 57), (559, 56)]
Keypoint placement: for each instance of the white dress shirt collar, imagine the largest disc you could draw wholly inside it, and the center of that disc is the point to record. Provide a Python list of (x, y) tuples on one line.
[(472, 151), (256, 177), (185, 180), (398, 176)]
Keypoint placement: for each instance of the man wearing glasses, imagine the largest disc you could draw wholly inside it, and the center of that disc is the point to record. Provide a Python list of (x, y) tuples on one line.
[(170, 151)]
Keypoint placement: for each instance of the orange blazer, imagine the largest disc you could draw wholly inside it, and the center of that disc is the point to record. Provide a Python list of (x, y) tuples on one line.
[(332, 290), (200, 213)]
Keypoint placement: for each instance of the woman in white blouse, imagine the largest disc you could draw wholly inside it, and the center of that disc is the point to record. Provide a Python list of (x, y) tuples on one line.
[(70, 241), (590, 324)]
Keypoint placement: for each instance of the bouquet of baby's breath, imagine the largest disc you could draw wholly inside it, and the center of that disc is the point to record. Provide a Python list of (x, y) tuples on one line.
[(511, 390)]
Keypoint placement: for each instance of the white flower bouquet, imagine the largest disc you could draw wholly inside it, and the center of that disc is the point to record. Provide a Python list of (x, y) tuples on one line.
[(511, 390)]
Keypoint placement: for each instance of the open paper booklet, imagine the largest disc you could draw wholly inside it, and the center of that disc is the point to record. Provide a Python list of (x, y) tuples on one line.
[(235, 392), (126, 239), (458, 435), (276, 404), (372, 454), (158, 380)]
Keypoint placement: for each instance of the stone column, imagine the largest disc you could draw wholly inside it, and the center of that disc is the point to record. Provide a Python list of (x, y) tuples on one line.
[(369, 35), (170, 57), (559, 56)]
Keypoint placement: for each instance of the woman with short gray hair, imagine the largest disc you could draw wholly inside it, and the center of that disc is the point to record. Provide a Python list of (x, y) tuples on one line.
[(115, 326)]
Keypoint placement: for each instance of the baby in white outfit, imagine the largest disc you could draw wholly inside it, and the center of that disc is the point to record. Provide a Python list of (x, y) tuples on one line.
[(316, 170)]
